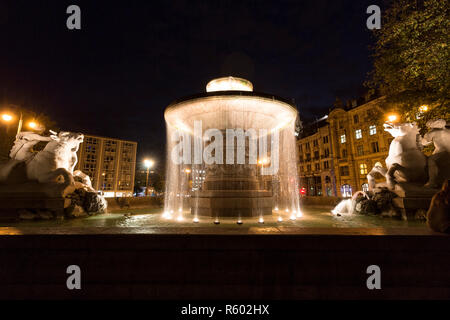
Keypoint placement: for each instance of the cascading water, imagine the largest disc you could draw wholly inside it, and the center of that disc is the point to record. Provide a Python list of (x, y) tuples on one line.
[(231, 153)]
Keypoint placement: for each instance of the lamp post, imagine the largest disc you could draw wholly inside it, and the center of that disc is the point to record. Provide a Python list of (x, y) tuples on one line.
[(148, 164), (7, 117)]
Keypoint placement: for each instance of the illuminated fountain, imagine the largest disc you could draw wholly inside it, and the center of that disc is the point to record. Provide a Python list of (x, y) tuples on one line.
[(231, 152)]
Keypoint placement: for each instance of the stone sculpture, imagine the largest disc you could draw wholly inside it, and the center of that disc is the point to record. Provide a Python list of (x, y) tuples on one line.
[(405, 161), (49, 172), (439, 161), (408, 170)]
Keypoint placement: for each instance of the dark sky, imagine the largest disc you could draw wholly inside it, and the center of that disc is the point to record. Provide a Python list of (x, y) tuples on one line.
[(116, 75)]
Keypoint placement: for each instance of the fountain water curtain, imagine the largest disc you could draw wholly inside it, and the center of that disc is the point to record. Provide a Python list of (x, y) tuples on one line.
[(231, 152)]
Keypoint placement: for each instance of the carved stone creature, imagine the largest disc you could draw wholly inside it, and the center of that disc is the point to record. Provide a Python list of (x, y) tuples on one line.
[(56, 160), (23, 145), (405, 162), (439, 161)]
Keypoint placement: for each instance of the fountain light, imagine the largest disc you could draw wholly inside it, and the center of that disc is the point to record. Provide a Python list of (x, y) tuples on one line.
[(293, 217), (299, 213), (180, 210), (261, 220), (229, 84), (239, 222), (280, 219), (276, 208), (180, 218), (195, 220), (167, 215), (287, 210), (216, 221)]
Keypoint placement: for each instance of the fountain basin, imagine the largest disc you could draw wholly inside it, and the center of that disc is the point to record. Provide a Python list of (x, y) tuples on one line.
[(236, 183)]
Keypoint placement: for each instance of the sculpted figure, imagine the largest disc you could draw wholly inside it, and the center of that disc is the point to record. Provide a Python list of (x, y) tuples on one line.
[(57, 160), (439, 161), (23, 145), (405, 162)]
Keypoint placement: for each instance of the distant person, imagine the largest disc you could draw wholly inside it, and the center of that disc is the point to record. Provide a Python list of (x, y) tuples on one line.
[(438, 215)]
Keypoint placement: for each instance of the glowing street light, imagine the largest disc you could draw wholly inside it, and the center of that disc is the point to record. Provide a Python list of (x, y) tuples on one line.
[(392, 117), (148, 164), (33, 125), (423, 108), (6, 117)]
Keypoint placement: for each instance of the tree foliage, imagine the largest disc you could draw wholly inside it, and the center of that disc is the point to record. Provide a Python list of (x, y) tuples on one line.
[(412, 58)]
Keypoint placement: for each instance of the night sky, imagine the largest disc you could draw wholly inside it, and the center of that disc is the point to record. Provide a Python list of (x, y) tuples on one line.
[(116, 75)]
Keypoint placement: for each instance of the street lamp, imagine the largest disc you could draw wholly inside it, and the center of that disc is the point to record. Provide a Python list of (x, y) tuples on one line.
[(32, 125), (423, 108), (8, 117), (148, 164), (392, 117)]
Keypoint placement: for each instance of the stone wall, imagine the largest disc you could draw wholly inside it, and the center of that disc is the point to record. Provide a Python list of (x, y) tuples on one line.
[(320, 201), (200, 266), (134, 203)]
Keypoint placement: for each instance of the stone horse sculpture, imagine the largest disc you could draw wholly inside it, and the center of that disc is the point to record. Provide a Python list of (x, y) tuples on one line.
[(405, 162), (48, 173), (439, 161), (55, 163)]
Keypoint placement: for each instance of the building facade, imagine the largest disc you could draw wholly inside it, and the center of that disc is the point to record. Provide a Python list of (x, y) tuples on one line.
[(335, 159), (316, 161), (110, 163)]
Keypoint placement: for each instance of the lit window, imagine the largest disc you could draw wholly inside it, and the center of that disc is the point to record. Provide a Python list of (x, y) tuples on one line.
[(372, 130), (365, 187), (343, 139), (358, 134), (346, 190), (363, 168)]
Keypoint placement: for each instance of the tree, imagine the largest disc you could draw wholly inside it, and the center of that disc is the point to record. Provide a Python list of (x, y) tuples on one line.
[(412, 58)]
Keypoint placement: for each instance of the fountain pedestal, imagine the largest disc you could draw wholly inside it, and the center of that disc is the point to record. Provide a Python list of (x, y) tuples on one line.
[(229, 203), (412, 199), (232, 191)]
